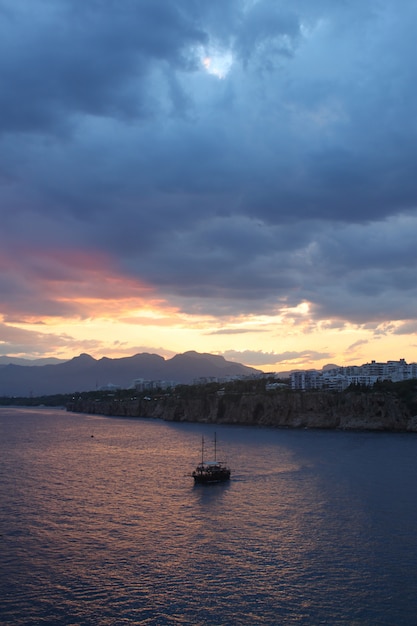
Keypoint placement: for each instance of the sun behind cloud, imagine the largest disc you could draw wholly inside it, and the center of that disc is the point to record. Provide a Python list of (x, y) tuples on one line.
[(218, 63)]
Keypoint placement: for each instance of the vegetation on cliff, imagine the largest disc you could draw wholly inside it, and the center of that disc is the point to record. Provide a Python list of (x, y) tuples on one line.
[(386, 406)]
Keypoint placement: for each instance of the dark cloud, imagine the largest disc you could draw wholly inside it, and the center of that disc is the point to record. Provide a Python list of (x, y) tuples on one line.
[(267, 32), (66, 59), (407, 328), (257, 357), (236, 331), (357, 344), (290, 179), (33, 344)]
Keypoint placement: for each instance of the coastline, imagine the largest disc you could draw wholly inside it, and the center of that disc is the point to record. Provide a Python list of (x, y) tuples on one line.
[(379, 411)]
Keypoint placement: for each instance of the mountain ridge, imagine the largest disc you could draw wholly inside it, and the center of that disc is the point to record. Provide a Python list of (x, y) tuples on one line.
[(85, 373), (13, 360)]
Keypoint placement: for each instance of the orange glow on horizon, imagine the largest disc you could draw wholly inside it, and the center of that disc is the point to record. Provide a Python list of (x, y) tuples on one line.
[(72, 302), (268, 347)]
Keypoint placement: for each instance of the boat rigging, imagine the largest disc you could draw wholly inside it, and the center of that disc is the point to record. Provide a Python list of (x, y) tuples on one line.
[(208, 472)]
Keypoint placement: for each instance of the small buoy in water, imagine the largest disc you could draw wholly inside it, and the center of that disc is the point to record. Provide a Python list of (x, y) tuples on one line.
[(92, 435)]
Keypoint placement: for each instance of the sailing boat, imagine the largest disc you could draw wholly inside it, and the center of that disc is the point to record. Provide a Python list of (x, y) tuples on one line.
[(211, 471)]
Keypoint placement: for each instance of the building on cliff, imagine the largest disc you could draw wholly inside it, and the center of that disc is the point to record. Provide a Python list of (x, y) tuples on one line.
[(140, 384), (340, 378)]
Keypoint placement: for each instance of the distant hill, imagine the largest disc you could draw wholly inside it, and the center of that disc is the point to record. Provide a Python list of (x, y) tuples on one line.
[(288, 373), (84, 373), (7, 360)]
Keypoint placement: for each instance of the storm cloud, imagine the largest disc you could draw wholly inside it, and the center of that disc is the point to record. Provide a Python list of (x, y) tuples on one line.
[(226, 157)]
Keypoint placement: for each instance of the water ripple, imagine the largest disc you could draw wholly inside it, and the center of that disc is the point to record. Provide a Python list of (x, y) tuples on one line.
[(314, 528)]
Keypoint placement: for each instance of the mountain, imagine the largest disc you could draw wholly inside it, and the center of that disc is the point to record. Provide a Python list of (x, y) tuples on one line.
[(84, 373), (7, 360), (287, 374)]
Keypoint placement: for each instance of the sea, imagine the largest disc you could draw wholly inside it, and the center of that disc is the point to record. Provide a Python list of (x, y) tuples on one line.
[(101, 523)]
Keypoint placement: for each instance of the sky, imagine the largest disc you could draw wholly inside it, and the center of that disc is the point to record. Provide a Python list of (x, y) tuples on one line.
[(235, 177)]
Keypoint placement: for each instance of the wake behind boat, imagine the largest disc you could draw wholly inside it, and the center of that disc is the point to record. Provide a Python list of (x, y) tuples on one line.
[(208, 472)]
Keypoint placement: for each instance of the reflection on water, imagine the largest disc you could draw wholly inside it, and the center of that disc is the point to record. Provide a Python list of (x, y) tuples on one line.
[(102, 524)]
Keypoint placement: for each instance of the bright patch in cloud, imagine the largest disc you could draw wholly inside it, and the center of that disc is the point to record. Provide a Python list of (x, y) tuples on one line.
[(218, 64)]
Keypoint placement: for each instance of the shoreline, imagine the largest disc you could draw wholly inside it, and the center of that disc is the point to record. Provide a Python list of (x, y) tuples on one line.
[(376, 412)]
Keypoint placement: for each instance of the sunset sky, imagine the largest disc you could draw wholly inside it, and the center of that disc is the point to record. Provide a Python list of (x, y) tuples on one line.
[(236, 177)]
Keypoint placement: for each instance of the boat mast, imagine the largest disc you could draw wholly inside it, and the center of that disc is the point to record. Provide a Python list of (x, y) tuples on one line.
[(215, 447), (202, 450)]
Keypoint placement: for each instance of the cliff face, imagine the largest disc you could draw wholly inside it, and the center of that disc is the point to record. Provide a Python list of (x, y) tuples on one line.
[(354, 411)]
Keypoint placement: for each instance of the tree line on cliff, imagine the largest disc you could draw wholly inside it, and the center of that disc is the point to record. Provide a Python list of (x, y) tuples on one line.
[(385, 406)]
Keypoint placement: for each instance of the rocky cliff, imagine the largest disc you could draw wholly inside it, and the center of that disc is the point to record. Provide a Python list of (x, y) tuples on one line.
[(346, 411)]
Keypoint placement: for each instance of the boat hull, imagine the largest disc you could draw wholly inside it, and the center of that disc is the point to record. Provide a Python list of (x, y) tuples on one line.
[(208, 474), (209, 480)]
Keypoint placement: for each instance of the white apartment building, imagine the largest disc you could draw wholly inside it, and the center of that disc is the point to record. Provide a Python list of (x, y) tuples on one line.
[(339, 378)]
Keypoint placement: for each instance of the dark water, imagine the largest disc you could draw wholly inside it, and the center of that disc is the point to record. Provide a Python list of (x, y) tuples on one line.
[(314, 527)]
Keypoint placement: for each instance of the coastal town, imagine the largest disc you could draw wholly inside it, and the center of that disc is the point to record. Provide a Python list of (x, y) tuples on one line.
[(330, 378), (340, 378)]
